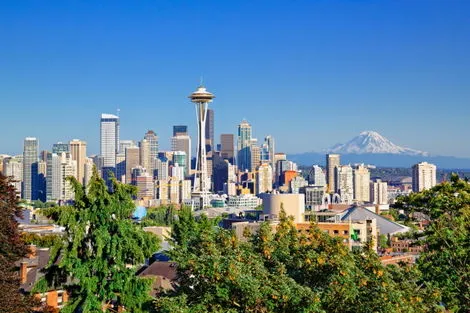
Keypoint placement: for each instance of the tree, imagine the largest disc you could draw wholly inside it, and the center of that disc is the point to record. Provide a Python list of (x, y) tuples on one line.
[(284, 271), (101, 249), (445, 261), (12, 249)]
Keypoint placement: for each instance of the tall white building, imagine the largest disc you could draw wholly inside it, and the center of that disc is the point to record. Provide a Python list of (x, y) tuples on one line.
[(13, 167), (109, 143), (264, 179), (316, 177), (177, 172), (161, 167), (379, 192), (145, 157), (344, 183), (59, 167), (267, 152), (30, 169), (424, 176), (361, 183), (88, 171), (255, 154)]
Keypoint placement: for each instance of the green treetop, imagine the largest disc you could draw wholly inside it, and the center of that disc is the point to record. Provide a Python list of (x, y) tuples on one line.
[(101, 250)]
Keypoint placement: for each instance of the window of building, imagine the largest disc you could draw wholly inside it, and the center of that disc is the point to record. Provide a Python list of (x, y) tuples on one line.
[(336, 232), (345, 232)]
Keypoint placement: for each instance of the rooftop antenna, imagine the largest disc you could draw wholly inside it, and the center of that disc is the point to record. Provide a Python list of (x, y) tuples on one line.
[(201, 80), (118, 111)]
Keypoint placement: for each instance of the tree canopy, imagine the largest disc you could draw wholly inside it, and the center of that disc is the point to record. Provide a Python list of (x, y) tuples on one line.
[(102, 247), (284, 271), (445, 263), (12, 249)]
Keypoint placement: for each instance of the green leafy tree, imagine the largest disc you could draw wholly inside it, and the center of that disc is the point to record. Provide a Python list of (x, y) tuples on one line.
[(217, 273), (101, 250), (445, 261), (284, 271), (12, 249)]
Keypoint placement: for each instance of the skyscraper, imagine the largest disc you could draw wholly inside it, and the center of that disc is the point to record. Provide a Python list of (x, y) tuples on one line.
[(210, 130), (179, 157), (361, 178), (332, 163), (109, 143), (379, 192), (424, 176), (145, 159), (152, 138), (53, 177), (244, 146), (344, 183), (227, 147), (267, 151), (13, 166), (316, 177), (78, 152), (264, 178), (30, 169), (255, 154), (132, 161), (201, 98), (183, 143)]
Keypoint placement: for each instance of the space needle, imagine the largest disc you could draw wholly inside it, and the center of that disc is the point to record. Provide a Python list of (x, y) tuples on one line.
[(201, 97)]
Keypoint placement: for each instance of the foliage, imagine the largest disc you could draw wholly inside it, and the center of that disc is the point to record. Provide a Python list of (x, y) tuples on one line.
[(383, 241), (445, 262), (161, 216), (101, 249), (12, 249), (43, 241), (284, 271)]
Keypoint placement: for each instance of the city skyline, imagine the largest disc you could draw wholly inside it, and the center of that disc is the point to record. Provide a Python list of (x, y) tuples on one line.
[(399, 68)]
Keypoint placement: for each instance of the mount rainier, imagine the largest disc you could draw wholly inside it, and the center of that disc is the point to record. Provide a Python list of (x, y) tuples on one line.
[(372, 142)]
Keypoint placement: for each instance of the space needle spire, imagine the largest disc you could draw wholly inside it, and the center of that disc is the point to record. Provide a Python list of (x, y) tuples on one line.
[(201, 97)]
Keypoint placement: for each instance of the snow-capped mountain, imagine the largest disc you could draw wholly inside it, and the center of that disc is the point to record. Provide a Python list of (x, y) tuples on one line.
[(374, 143)]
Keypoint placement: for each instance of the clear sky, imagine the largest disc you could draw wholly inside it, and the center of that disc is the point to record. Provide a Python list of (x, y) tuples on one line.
[(310, 73)]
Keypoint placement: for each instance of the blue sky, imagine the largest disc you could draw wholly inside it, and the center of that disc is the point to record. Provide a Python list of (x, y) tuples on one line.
[(310, 73)]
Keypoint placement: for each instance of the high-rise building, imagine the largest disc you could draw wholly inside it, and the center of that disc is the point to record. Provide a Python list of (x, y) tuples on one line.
[(227, 148), (244, 146), (201, 98), (42, 172), (145, 186), (316, 177), (332, 163), (121, 166), (267, 152), (379, 192), (183, 143), (344, 183), (264, 178), (109, 143), (255, 154), (132, 161), (424, 176), (180, 130), (88, 171), (177, 171), (152, 139), (30, 169), (209, 130), (60, 147), (78, 151), (144, 155), (53, 177), (179, 157), (161, 168), (13, 167), (361, 178), (59, 168)]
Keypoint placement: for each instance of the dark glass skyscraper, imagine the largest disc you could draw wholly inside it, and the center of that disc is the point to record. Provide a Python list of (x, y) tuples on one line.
[(180, 130), (30, 169)]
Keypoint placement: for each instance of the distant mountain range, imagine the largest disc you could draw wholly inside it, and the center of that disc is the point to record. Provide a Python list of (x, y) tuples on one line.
[(372, 148)]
